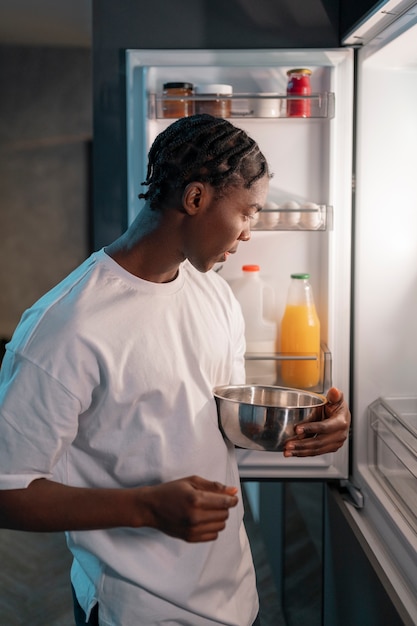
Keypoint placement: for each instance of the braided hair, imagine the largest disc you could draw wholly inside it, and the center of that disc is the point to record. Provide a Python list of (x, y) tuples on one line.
[(201, 148)]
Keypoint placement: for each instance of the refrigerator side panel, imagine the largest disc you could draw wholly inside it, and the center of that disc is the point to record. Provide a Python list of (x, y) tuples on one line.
[(385, 307), (385, 294)]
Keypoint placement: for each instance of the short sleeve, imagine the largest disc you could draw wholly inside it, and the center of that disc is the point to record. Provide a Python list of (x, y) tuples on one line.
[(38, 421)]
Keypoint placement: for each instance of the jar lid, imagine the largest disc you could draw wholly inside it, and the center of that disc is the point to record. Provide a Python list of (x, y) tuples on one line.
[(214, 88), (301, 276), (178, 86), (300, 70), (250, 268)]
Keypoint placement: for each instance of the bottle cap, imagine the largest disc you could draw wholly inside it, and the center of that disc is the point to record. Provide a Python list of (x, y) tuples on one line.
[(301, 276), (214, 89), (300, 70), (250, 268)]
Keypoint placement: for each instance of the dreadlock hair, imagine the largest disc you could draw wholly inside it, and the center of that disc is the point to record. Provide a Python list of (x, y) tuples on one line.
[(201, 148)]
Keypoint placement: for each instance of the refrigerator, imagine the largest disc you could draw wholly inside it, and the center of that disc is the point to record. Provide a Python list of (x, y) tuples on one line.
[(354, 158)]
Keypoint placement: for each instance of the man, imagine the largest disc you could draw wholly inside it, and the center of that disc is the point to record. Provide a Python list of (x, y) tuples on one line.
[(108, 424)]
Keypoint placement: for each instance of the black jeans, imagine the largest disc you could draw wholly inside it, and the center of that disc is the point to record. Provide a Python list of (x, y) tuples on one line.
[(79, 614)]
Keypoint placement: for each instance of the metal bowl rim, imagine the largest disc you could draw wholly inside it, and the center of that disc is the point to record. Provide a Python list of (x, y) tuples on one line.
[(217, 394)]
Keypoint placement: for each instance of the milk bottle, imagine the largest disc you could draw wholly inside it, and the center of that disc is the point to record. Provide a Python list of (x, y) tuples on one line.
[(256, 297)]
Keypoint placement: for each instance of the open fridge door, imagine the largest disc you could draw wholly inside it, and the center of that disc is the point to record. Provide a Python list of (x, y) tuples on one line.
[(385, 301), (311, 160)]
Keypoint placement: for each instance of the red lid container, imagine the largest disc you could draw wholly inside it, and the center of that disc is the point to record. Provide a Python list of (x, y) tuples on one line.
[(299, 84)]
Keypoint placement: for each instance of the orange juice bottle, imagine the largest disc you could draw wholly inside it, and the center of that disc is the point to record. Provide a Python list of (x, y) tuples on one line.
[(300, 336)]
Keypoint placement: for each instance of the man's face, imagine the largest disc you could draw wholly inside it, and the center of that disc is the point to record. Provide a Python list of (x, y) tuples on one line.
[(222, 222)]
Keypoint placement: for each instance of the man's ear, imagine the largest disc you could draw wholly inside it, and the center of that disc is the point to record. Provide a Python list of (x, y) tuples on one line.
[(193, 197)]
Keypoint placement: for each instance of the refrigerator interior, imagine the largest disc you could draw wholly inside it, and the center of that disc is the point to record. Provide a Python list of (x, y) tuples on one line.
[(311, 162), (385, 307)]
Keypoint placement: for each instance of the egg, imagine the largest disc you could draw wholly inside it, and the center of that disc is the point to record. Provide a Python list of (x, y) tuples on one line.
[(291, 215), (268, 217), (312, 218)]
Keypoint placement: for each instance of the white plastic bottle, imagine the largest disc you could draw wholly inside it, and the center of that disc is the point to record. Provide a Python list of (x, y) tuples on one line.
[(255, 297)]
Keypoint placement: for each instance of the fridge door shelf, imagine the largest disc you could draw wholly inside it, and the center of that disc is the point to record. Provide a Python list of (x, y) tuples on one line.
[(263, 368), (317, 218), (393, 454), (248, 105)]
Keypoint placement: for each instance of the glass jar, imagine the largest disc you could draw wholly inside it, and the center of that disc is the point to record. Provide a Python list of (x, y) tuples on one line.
[(220, 102), (180, 106), (299, 84), (300, 336)]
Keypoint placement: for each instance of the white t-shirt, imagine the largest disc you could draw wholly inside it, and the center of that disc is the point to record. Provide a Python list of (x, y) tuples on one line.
[(108, 382)]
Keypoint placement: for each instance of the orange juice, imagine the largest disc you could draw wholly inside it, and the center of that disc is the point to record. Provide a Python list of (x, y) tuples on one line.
[(300, 335)]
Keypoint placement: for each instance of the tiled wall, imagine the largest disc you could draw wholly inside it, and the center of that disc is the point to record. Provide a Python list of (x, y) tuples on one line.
[(45, 140)]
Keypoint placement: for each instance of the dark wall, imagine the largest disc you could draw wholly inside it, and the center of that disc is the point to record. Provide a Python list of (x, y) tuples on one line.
[(173, 25), (45, 139)]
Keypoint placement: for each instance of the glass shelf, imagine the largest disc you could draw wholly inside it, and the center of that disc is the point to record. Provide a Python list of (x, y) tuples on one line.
[(250, 105), (263, 368), (393, 457)]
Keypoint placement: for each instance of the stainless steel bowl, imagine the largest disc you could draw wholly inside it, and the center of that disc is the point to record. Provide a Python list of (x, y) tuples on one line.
[(261, 417)]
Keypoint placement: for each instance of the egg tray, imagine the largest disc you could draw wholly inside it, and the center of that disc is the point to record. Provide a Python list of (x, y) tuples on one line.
[(308, 217)]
